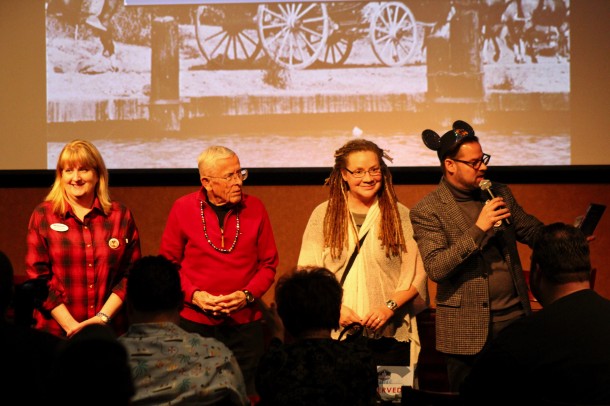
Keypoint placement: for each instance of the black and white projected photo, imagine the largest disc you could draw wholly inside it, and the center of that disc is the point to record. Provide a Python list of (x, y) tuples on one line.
[(152, 83)]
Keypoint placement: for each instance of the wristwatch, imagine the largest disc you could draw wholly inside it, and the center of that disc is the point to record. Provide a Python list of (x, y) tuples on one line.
[(249, 296), (104, 317), (391, 305)]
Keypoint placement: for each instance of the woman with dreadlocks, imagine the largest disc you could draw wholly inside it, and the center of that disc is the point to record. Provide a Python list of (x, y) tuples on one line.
[(364, 236)]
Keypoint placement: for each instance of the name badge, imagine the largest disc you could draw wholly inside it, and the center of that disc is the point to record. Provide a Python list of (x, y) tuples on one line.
[(62, 228)]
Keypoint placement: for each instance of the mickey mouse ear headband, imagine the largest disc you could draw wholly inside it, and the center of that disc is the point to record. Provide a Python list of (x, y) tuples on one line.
[(450, 141)]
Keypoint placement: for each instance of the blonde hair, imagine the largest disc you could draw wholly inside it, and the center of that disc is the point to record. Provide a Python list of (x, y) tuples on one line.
[(337, 219), (79, 153), (207, 159)]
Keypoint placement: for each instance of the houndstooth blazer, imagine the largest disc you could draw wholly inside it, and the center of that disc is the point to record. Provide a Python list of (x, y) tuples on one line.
[(454, 261)]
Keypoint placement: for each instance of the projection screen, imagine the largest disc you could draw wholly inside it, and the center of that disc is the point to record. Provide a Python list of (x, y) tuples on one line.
[(286, 84)]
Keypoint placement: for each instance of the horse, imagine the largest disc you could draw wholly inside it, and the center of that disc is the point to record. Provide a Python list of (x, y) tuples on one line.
[(503, 19), (549, 29)]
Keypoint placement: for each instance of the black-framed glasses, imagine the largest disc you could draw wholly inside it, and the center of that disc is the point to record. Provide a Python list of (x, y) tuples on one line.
[(359, 173), (475, 164), (242, 175)]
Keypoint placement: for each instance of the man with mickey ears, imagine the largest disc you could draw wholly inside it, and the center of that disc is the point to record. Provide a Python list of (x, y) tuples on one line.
[(468, 241), (223, 241)]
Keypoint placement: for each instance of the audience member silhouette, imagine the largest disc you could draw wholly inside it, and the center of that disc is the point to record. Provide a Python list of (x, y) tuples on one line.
[(307, 366), (170, 365), (27, 354), (92, 369), (558, 355), (6, 284)]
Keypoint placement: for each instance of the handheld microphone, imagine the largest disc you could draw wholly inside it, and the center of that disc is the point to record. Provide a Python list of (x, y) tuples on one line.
[(485, 186)]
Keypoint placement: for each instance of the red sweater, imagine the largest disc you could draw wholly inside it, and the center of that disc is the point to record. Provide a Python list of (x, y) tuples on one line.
[(250, 265)]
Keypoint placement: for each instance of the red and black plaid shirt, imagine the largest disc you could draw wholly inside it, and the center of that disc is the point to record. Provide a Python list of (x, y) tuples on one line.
[(84, 262)]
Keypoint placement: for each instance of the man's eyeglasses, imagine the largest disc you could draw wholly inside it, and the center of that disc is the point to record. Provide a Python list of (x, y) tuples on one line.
[(475, 164), (359, 173), (242, 175)]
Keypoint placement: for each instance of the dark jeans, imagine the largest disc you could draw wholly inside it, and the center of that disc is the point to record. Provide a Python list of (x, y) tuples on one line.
[(245, 340), (459, 366)]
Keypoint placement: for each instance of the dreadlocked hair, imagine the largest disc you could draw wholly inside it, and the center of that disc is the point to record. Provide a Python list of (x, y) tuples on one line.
[(338, 220)]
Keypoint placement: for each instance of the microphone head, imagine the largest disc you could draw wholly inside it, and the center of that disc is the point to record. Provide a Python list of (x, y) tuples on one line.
[(485, 184)]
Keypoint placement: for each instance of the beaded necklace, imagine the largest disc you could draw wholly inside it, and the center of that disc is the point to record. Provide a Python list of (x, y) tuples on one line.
[(222, 238)]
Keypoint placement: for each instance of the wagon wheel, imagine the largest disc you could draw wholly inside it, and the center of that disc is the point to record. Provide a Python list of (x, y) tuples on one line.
[(293, 34), (337, 49), (226, 35), (393, 34)]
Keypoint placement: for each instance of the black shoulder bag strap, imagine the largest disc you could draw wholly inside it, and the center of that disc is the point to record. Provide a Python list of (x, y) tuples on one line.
[(352, 258)]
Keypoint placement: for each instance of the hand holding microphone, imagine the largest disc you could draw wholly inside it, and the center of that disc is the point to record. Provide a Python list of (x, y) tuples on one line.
[(485, 186)]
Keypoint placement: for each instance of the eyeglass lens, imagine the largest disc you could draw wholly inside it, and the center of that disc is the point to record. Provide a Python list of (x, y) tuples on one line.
[(359, 173)]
